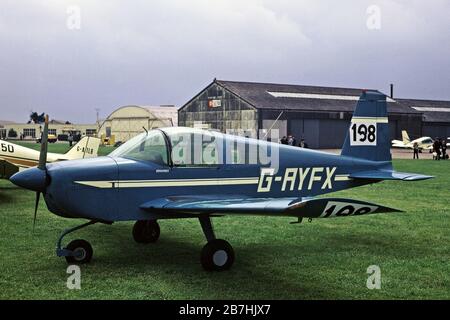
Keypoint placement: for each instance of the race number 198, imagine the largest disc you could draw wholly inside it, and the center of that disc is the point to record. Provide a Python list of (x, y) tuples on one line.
[(363, 133)]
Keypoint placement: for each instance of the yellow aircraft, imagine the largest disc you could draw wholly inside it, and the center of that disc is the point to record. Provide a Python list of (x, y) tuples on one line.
[(14, 158), (425, 143)]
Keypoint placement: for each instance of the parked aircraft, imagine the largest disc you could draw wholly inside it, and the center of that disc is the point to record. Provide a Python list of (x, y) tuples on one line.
[(425, 143), (15, 158), (165, 174)]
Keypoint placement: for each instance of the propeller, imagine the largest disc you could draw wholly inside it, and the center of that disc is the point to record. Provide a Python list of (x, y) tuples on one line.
[(42, 164)]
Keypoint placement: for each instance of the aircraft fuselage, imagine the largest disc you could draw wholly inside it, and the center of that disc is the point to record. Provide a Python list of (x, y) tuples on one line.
[(124, 184)]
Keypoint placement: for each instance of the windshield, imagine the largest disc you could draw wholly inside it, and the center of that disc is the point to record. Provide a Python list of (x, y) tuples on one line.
[(149, 146)]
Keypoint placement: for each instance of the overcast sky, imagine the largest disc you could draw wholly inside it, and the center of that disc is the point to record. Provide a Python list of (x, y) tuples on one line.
[(164, 52)]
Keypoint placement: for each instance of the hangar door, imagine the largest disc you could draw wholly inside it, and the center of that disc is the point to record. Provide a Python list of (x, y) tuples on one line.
[(394, 132), (332, 133), (320, 134), (307, 129), (433, 131)]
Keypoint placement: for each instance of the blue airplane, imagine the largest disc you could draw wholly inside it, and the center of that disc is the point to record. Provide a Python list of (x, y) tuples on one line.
[(174, 173)]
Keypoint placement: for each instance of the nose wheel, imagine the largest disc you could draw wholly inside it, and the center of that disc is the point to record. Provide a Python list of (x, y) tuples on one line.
[(81, 252), (77, 251)]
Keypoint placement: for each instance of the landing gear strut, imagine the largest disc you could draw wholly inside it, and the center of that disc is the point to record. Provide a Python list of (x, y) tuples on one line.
[(77, 251), (217, 254)]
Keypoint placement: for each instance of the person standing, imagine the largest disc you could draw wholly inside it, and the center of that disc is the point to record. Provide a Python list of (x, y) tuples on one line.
[(437, 148), (444, 149), (303, 144), (70, 138), (290, 140), (294, 141), (416, 150)]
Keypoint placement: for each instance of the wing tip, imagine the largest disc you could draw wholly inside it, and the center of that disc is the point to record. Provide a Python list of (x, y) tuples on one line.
[(417, 177)]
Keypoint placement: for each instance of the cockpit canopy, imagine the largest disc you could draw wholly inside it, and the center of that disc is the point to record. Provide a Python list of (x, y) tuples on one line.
[(180, 146), (149, 146)]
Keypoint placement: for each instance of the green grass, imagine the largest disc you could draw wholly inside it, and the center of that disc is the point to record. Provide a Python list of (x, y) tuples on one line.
[(325, 259)]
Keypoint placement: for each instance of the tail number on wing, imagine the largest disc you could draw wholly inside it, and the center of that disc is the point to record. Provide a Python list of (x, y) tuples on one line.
[(342, 209), (363, 134), (7, 148)]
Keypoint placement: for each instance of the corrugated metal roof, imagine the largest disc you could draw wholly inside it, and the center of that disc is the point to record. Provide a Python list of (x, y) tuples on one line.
[(432, 110), (299, 97)]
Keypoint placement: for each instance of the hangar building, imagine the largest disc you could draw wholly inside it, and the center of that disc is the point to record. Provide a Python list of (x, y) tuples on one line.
[(436, 116), (128, 121), (320, 115)]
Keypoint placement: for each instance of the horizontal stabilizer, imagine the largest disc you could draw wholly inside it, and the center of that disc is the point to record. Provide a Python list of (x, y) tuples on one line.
[(388, 175)]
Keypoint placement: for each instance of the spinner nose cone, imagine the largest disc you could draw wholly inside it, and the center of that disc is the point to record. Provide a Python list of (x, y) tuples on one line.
[(32, 179)]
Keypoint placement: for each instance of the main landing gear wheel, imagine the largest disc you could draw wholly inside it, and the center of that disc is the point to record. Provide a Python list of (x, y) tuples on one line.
[(146, 231), (81, 252), (217, 255)]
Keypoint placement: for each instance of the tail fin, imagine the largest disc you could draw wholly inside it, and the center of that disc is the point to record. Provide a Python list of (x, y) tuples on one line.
[(87, 147), (368, 134), (405, 137)]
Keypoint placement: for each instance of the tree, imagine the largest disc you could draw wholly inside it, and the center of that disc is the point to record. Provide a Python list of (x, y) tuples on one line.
[(12, 133), (36, 118)]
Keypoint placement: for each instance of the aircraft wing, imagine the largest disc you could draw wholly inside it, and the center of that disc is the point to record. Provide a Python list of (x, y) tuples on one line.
[(7, 169), (218, 205), (388, 175), (400, 144)]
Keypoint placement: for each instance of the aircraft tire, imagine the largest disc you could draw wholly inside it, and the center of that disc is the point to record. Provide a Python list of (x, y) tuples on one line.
[(83, 252), (217, 255), (146, 231)]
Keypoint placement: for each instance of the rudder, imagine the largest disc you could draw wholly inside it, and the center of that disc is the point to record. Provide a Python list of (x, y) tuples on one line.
[(405, 137), (87, 147)]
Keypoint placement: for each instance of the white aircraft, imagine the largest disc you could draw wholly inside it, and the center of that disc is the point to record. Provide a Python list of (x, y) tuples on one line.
[(14, 158), (425, 143)]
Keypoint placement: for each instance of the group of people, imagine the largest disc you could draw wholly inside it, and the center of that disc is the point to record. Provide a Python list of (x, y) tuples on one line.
[(291, 141), (440, 149)]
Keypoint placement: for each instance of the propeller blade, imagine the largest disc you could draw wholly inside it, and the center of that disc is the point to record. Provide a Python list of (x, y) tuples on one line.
[(44, 146), (38, 196)]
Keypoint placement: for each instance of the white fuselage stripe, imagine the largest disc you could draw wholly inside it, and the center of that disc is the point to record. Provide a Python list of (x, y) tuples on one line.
[(170, 183), (372, 119), (341, 177)]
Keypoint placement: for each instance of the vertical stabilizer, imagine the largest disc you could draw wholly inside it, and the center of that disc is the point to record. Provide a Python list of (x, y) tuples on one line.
[(368, 134)]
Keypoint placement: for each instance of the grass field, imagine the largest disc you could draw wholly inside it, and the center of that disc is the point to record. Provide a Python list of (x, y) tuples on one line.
[(325, 259)]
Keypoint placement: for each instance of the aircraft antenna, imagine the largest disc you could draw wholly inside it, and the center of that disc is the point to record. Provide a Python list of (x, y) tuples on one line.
[(273, 124)]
